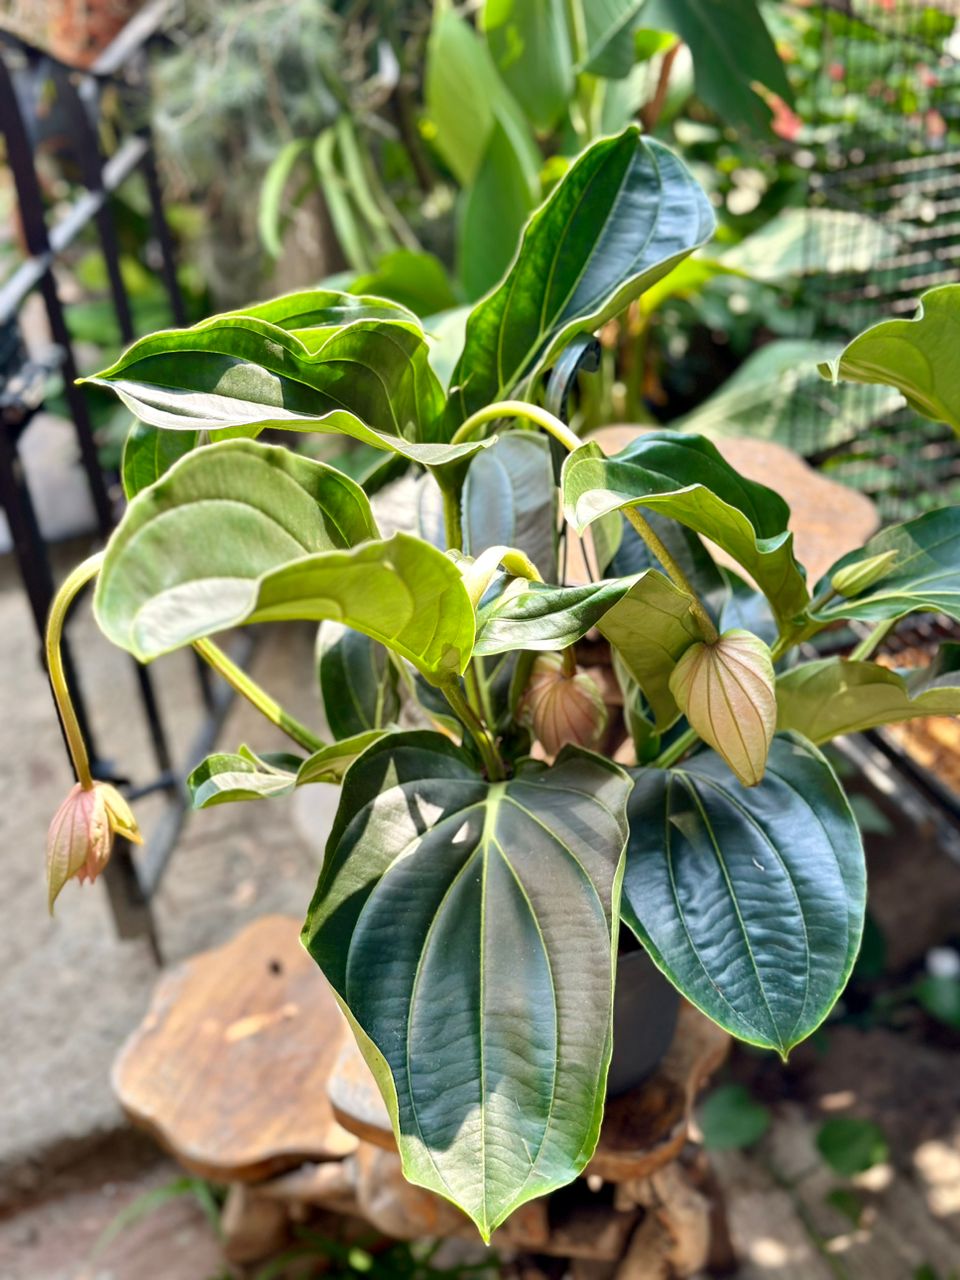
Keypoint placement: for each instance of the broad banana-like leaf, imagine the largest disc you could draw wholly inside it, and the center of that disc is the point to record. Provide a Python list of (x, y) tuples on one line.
[(469, 929), (530, 44), (751, 901), (732, 50), (684, 477), (624, 214), (918, 356), (831, 696), (923, 574)]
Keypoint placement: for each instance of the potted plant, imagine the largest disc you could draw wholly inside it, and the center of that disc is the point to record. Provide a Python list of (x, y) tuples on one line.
[(469, 906)]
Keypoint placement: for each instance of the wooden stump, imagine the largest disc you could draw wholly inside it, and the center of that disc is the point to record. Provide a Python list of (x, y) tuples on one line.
[(229, 1068), (244, 1069)]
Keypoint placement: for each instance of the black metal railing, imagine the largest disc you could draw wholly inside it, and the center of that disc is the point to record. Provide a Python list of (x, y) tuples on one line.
[(29, 75)]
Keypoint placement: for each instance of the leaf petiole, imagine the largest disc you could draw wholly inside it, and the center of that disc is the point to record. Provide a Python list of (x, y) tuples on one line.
[(518, 409), (258, 697), (674, 572)]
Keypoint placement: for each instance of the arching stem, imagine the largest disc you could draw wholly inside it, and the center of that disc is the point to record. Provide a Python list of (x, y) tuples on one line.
[(518, 409), (674, 572), (71, 588)]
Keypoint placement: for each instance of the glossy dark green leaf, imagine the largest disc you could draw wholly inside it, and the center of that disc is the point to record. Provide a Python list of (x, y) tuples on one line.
[(242, 373), (622, 216), (531, 47), (918, 356), (149, 452), (226, 777), (684, 477), (831, 696), (358, 682), (924, 574), (732, 49), (535, 615), (510, 499), (751, 901), (492, 212), (651, 628), (470, 929)]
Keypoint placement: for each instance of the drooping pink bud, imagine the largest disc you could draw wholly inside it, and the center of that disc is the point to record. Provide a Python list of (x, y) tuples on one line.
[(562, 709), (80, 837), (727, 690)]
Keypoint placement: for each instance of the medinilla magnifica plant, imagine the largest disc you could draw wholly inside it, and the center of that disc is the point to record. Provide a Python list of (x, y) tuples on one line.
[(481, 861)]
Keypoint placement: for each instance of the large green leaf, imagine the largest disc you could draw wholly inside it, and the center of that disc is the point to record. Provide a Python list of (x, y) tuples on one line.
[(804, 242), (732, 49), (243, 532), (370, 379), (517, 614), (778, 386), (510, 500), (492, 212), (470, 929), (466, 97), (622, 216), (831, 696), (684, 477), (530, 44), (651, 628), (358, 682), (324, 309), (607, 30), (414, 279), (918, 356), (751, 901), (149, 452), (226, 777), (924, 574)]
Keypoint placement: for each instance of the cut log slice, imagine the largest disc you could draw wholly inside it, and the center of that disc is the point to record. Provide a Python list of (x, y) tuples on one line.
[(229, 1068)]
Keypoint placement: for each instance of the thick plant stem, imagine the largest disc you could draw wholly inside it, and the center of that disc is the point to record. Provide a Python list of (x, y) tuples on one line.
[(238, 679), (674, 572), (676, 750), (74, 583), (873, 641), (518, 409), (452, 524), (478, 731)]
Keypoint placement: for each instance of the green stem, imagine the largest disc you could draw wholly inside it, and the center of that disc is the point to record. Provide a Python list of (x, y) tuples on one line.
[(674, 572), (478, 731), (238, 679), (74, 583), (518, 409), (873, 641), (676, 750), (451, 518)]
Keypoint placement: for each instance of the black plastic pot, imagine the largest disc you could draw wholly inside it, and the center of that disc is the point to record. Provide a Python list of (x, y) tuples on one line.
[(645, 1009)]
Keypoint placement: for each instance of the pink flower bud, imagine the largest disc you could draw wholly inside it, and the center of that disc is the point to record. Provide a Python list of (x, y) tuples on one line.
[(80, 838), (562, 709)]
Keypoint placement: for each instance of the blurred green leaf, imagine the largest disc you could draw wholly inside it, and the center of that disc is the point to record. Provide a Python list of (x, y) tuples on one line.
[(731, 1118), (940, 997), (851, 1146)]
